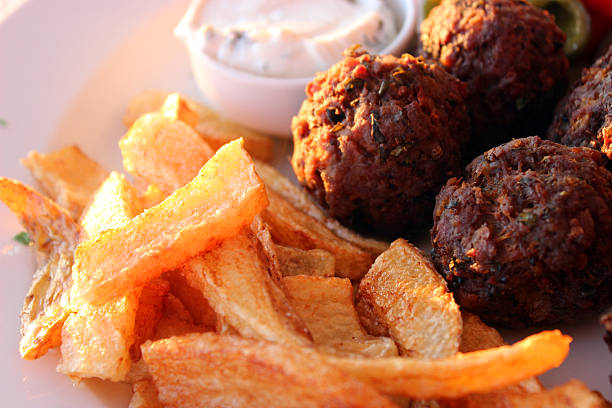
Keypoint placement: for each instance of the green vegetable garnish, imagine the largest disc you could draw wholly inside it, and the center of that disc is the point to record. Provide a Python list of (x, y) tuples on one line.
[(22, 238)]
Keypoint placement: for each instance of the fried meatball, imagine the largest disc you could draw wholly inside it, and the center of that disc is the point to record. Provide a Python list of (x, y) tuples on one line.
[(377, 137), (526, 237), (509, 53), (584, 116)]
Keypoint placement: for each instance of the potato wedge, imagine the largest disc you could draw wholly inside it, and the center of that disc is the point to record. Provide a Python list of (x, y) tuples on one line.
[(214, 129), (192, 299), (326, 306), (163, 151), (208, 370), (573, 394), (144, 395), (404, 294), (314, 262), (176, 108), (113, 204), (96, 339), (291, 227), (148, 314), (462, 374), (278, 183), (67, 175), (239, 288), (215, 205), (54, 235), (175, 321)]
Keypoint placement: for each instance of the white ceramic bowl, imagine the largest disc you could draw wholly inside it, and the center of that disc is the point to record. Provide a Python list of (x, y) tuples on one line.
[(267, 104)]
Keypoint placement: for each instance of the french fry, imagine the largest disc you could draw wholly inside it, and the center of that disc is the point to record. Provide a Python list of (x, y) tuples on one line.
[(292, 227), (208, 370), (278, 183), (326, 306), (144, 395), (101, 340), (462, 374), (67, 175), (224, 196), (114, 203), (267, 248), (192, 300), (54, 235), (176, 108), (214, 129), (239, 288), (151, 196), (96, 339), (573, 394), (403, 293), (148, 314), (163, 151), (295, 261), (175, 321)]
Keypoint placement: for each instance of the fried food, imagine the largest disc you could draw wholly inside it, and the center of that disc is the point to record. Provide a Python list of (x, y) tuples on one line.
[(224, 196), (55, 236), (326, 306), (208, 370), (67, 175), (404, 296), (96, 339), (584, 116), (144, 395), (462, 374), (295, 261), (295, 196), (215, 130), (238, 287), (510, 55), (113, 204), (376, 138), (292, 227), (163, 150), (526, 236)]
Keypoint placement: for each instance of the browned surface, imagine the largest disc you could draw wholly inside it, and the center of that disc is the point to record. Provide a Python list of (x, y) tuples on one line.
[(509, 53), (377, 137), (584, 116), (526, 237)]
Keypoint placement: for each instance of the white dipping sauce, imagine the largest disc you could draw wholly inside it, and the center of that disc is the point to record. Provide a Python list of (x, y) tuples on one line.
[(285, 38)]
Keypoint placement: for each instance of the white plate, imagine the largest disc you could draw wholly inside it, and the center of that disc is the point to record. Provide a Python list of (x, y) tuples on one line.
[(67, 70)]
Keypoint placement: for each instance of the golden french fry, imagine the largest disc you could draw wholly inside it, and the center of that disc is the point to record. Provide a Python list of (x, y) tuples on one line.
[(573, 394), (151, 196), (214, 129), (208, 370), (192, 300), (163, 151), (238, 287), (67, 175), (403, 293), (462, 374), (54, 235), (278, 183), (295, 261), (144, 395), (175, 321), (149, 313), (292, 227), (96, 339), (176, 107), (326, 306), (215, 205), (115, 203)]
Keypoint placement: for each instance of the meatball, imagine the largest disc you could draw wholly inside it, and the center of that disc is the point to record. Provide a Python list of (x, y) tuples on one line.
[(509, 53), (377, 137), (584, 116), (526, 237)]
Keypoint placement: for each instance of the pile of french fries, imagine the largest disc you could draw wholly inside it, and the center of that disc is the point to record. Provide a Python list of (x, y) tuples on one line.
[(212, 281)]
